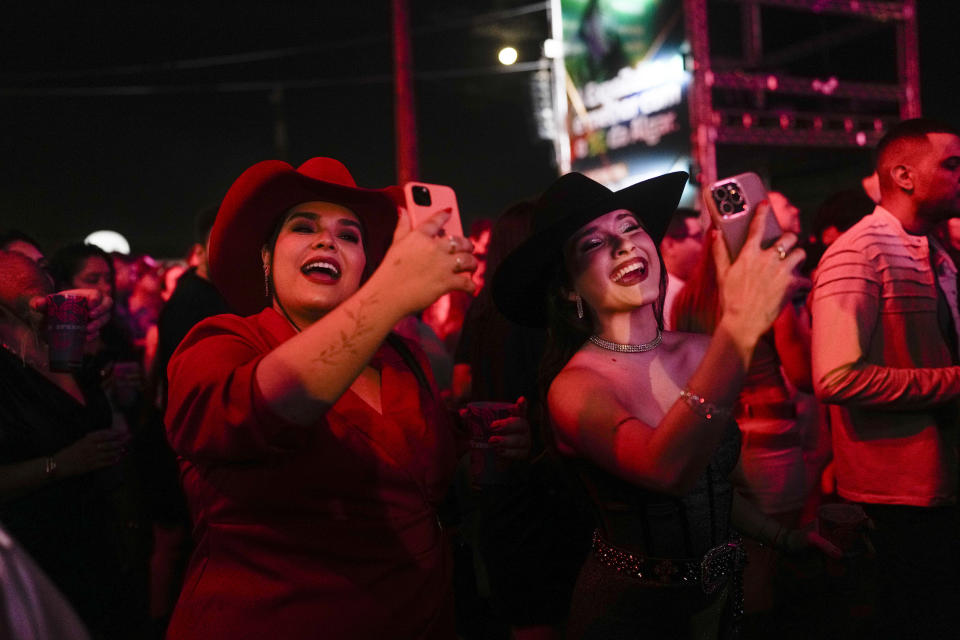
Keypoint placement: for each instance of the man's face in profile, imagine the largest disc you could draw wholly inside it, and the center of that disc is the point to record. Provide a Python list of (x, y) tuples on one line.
[(937, 178)]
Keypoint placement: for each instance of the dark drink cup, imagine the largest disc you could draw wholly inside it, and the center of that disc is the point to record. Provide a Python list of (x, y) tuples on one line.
[(843, 525), (66, 329), (486, 466)]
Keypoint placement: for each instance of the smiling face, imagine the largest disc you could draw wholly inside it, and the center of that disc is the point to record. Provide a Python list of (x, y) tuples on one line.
[(317, 260), (613, 264)]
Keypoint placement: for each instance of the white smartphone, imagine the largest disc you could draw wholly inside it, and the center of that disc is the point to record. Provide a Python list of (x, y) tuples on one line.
[(736, 199), (422, 200)]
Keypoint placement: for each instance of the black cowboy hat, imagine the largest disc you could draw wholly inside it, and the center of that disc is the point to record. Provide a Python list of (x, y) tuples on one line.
[(519, 286)]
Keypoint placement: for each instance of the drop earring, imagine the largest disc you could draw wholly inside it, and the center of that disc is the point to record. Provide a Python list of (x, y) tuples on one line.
[(266, 280), (579, 307)]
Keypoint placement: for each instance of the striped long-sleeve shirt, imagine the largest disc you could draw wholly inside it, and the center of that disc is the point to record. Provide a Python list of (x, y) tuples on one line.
[(882, 362)]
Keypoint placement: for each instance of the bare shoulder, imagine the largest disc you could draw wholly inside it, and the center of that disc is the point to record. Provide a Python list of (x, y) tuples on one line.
[(577, 387), (580, 398), (579, 376)]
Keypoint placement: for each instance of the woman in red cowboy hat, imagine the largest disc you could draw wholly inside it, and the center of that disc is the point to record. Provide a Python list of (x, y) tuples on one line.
[(643, 415), (313, 445)]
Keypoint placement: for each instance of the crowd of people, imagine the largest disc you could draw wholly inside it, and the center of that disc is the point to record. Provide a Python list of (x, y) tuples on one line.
[(272, 436)]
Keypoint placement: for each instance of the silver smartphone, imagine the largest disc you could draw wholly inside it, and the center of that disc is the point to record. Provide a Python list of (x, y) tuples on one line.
[(736, 199)]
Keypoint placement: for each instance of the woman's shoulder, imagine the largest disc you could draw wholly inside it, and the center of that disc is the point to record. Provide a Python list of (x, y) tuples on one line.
[(582, 374), (261, 331)]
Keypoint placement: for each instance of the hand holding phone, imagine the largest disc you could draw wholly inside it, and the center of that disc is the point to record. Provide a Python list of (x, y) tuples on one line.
[(733, 203), (422, 200)]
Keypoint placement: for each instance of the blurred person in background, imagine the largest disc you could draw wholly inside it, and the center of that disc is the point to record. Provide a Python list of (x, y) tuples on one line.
[(786, 213), (529, 536), (771, 472), (16, 240), (88, 266), (126, 271), (194, 298), (144, 304), (170, 274), (126, 268), (680, 247), (61, 490)]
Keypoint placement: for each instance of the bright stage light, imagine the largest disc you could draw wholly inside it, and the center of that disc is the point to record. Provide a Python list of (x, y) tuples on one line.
[(109, 241), (507, 55), (552, 48)]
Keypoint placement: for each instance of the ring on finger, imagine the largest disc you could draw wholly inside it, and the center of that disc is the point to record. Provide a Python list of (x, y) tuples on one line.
[(459, 265), (453, 245), (781, 251)]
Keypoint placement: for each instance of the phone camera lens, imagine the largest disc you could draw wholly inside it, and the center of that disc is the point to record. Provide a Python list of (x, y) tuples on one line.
[(421, 196), (720, 194), (736, 196), (726, 207)]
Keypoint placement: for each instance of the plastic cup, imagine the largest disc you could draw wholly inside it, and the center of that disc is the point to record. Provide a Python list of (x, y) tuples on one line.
[(486, 467), (842, 524), (66, 330)]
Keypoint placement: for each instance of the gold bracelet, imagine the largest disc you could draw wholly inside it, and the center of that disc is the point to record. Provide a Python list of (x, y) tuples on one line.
[(704, 409), (49, 467)]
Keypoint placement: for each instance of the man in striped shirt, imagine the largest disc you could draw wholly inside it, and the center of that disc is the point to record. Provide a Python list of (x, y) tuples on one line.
[(884, 354)]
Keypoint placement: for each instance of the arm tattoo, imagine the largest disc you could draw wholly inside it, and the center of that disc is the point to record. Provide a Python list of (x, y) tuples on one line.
[(347, 343)]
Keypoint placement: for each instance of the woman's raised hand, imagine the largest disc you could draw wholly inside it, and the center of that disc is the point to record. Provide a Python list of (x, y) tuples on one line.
[(425, 264), (754, 288)]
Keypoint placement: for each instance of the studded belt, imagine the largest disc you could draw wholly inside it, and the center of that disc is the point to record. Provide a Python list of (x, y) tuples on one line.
[(720, 565)]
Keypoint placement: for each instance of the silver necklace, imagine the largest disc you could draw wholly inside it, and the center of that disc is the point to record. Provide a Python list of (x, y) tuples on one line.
[(628, 348)]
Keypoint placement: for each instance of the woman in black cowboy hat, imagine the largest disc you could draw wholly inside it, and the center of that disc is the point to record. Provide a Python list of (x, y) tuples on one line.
[(313, 444), (643, 415)]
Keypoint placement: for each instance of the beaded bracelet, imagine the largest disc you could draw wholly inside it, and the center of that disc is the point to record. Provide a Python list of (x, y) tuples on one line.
[(704, 409)]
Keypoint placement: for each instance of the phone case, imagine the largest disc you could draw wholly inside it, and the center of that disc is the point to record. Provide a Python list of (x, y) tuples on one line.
[(439, 197), (737, 198)]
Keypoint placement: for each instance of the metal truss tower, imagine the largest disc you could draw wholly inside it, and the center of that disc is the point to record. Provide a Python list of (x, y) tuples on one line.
[(749, 101)]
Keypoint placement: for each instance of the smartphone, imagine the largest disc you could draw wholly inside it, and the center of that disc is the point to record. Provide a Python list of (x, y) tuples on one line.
[(423, 200), (736, 199)]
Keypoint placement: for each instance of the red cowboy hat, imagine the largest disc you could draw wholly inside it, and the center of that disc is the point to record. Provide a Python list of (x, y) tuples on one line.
[(262, 194)]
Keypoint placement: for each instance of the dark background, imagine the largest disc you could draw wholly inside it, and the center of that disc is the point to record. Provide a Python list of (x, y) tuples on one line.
[(102, 127)]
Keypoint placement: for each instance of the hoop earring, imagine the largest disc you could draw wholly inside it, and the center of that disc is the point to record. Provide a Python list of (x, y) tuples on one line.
[(579, 307)]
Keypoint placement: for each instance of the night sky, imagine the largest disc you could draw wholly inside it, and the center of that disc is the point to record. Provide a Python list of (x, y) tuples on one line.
[(99, 130)]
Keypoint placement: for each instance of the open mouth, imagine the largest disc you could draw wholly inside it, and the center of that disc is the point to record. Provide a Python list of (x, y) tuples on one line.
[(631, 272), (325, 270)]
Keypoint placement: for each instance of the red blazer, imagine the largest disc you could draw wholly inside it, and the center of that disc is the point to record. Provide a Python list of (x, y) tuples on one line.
[(326, 532)]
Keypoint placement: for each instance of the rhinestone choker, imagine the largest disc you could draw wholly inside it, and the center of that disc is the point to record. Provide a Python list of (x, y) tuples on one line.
[(627, 348)]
